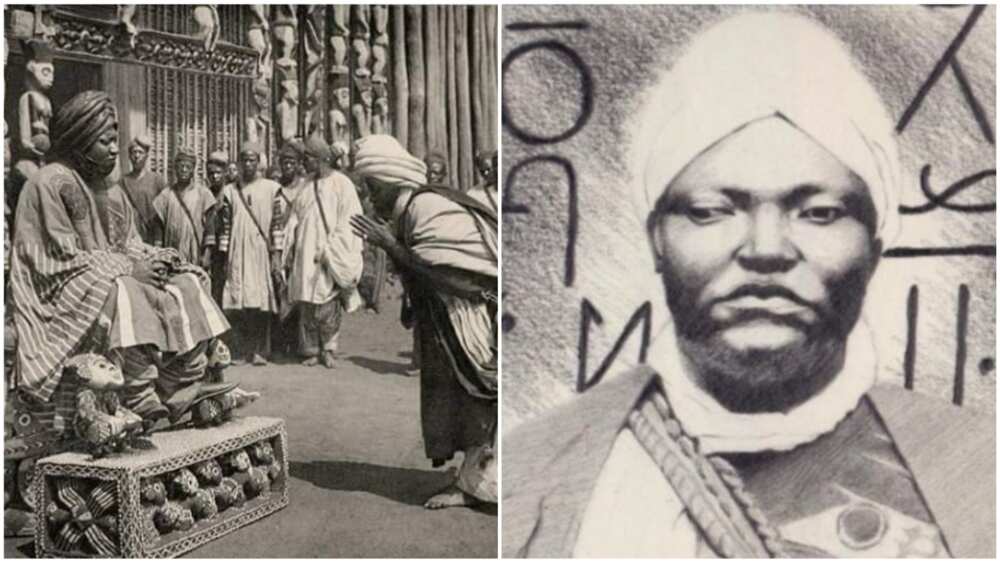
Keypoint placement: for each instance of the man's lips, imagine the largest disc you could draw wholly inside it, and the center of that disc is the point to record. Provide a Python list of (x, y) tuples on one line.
[(774, 305)]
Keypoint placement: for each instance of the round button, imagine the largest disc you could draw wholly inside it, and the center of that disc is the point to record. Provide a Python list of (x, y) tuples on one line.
[(861, 526)]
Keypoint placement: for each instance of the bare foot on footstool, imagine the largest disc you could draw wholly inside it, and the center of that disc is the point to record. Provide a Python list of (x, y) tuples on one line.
[(451, 497)]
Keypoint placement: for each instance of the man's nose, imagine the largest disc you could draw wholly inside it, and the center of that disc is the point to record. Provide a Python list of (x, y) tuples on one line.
[(767, 248), (113, 149)]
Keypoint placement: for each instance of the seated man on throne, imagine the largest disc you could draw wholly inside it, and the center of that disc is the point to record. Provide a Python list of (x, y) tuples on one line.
[(82, 280)]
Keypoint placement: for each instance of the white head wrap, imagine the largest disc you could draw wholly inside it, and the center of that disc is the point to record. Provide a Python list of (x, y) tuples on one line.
[(383, 158), (758, 65)]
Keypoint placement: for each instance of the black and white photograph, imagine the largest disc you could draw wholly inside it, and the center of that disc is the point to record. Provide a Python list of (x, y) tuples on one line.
[(749, 281), (251, 263)]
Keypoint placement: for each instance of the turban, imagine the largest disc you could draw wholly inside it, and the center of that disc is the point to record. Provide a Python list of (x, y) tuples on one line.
[(185, 153), (218, 157), (142, 141), (317, 148), (292, 149), (381, 157), (81, 121), (755, 66)]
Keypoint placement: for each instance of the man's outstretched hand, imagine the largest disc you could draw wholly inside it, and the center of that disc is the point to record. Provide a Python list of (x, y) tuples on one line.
[(376, 232)]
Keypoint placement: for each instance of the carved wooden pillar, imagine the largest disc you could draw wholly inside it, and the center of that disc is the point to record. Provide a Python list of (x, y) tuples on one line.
[(284, 25), (339, 32), (380, 54), (380, 49), (314, 45), (360, 35), (258, 125)]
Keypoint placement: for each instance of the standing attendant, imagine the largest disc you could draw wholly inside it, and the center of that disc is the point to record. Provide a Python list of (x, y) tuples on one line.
[(185, 211), (249, 297), (142, 186), (215, 172), (290, 167), (326, 258)]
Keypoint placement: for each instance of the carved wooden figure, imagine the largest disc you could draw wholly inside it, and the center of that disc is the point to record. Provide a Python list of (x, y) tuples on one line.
[(361, 111), (380, 51), (126, 13), (338, 38), (285, 29), (101, 421), (380, 112), (337, 119), (315, 53), (34, 109), (259, 122), (359, 40), (288, 110), (206, 17), (259, 38)]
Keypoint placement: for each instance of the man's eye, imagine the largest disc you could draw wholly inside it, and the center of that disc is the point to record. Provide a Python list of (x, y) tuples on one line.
[(822, 215), (705, 215)]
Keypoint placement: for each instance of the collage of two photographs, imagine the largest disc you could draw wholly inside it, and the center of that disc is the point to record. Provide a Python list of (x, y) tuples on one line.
[(499, 281)]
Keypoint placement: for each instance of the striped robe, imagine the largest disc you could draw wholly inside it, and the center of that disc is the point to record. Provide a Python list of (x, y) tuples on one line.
[(67, 299), (456, 236)]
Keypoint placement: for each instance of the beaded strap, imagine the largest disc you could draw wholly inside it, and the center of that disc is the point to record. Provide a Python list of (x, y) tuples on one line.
[(711, 489)]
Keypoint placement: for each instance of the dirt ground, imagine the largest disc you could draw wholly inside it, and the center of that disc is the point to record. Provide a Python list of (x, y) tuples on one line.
[(358, 472)]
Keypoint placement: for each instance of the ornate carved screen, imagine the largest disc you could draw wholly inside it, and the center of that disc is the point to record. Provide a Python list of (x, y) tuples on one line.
[(200, 111)]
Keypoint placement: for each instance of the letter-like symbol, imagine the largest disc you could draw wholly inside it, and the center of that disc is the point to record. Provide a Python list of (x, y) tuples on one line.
[(510, 207), (589, 315), (586, 92)]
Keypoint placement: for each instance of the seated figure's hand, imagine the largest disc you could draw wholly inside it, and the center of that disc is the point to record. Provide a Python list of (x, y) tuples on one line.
[(150, 272)]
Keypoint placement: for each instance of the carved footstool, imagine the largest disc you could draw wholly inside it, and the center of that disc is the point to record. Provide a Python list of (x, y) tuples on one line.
[(194, 486)]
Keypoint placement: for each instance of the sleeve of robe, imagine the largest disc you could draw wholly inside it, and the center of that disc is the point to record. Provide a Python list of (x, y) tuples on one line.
[(346, 247), (58, 289)]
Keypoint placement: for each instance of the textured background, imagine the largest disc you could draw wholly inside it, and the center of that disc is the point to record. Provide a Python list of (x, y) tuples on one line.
[(625, 50)]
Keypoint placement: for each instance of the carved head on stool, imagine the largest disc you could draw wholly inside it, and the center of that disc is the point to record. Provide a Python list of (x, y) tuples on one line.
[(183, 484), (209, 472), (153, 491)]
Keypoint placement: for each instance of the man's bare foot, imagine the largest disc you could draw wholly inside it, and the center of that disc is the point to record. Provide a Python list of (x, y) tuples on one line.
[(311, 362), (258, 360), (329, 360), (451, 497)]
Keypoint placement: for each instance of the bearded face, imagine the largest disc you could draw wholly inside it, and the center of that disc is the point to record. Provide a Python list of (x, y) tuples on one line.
[(766, 248)]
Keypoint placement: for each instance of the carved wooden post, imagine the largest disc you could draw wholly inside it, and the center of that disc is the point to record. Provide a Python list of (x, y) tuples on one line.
[(34, 110), (361, 111), (380, 50), (285, 26), (339, 32), (287, 110), (259, 122), (340, 107), (360, 34), (315, 55)]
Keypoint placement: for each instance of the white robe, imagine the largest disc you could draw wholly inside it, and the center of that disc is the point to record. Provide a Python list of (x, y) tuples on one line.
[(248, 273), (313, 278)]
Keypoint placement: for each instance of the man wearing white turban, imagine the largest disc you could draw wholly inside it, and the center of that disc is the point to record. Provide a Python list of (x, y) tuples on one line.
[(766, 172), (445, 244)]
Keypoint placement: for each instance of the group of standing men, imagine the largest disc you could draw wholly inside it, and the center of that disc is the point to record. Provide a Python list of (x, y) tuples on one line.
[(269, 248), (293, 253)]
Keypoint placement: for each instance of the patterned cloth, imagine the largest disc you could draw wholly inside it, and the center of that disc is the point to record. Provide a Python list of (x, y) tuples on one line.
[(66, 298), (187, 226)]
